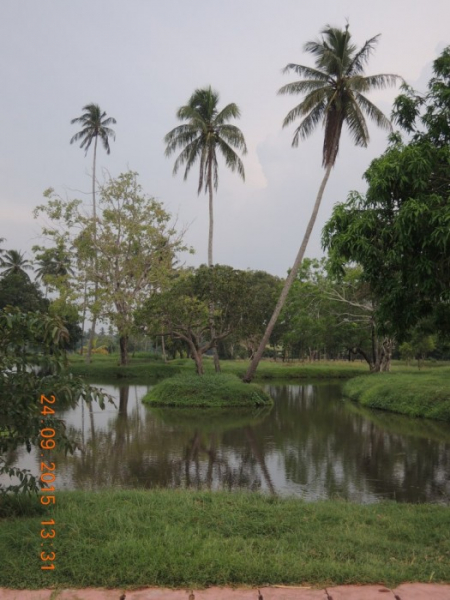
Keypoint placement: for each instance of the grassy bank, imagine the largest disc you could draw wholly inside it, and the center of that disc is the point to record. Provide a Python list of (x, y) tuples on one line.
[(417, 394), (214, 390), (180, 538), (106, 368)]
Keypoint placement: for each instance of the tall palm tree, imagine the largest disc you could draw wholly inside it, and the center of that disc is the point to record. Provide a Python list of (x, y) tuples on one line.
[(206, 133), (14, 261), (94, 124), (334, 94)]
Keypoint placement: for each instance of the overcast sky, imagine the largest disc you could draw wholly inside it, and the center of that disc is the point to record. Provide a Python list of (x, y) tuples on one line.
[(141, 59)]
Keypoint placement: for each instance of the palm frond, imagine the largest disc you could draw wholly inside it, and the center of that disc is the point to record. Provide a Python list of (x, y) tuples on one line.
[(301, 87), (360, 59), (232, 135), (373, 112), (180, 137), (382, 81), (305, 71), (356, 124), (309, 123), (317, 97), (231, 111), (232, 160)]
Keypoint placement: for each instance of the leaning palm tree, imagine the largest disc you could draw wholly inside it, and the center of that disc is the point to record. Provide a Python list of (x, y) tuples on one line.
[(334, 94), (206, 133), (94, 125), (14, 262)]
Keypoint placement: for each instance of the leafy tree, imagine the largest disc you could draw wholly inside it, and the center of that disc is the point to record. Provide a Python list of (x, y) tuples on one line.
[(182, 310), (94, 125), (205, 134), (398, 231), (135, 248), (17, 290), (14, 261), (334, 94), (31, 364), (330, 316)]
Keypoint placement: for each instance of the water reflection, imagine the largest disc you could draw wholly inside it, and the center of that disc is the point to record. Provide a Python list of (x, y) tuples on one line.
[(311, 444)]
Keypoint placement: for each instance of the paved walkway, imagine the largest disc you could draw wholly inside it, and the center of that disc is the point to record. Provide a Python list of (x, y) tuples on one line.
[(406, 591)]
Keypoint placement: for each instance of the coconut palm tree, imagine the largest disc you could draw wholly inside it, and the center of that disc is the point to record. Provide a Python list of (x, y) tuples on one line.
[(205, 134), (334, 94), (94, 124), (14, 261)]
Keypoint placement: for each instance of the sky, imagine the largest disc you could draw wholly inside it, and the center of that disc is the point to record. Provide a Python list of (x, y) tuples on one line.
[(140, 60)]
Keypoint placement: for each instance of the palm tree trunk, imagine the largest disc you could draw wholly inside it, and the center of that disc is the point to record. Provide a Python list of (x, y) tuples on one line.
[(84, 315), (289, 281), (94, 216), (210, 264), (211, 218)]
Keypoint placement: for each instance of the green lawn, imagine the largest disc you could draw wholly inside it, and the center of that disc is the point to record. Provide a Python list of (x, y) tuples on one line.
[(183, 538), (417, 394)]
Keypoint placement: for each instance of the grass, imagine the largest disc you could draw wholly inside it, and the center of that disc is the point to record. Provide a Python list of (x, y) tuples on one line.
[(419, 394), (104, 369), (212, 390), (186, 539)]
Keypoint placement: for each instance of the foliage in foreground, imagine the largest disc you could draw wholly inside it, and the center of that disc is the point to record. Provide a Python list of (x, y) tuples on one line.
[(184, 539), (212, 389), (416, 395), (31, 364)]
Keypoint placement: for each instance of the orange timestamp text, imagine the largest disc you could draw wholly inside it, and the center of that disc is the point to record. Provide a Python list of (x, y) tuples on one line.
[(48, 477)]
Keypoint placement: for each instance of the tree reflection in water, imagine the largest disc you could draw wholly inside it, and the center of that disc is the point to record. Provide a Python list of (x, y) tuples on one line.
[(311, 443)]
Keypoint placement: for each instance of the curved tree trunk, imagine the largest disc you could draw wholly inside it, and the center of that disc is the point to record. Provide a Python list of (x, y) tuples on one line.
[(289, 281), (94, 216), (210, 264)]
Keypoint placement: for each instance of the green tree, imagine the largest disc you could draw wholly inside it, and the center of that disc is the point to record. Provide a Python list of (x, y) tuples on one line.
[(136, 248), (17, 290), (14, 261), (398, 231), (205, 134), (334, 94), (95, 124), (182, 310)]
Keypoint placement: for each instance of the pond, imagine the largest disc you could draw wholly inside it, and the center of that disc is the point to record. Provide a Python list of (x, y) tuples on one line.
[(312, 444)]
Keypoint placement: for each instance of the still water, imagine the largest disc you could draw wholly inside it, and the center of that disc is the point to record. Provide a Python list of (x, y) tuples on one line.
[(312, 444)]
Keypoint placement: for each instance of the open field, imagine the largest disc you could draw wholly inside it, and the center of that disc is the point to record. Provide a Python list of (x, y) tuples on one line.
[(194, 539)]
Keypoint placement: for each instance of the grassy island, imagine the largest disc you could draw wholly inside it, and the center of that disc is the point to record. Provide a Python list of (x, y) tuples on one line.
[(413, 394), (210, 390)]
